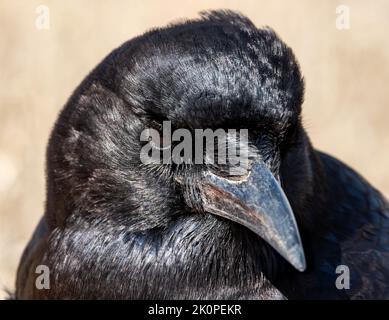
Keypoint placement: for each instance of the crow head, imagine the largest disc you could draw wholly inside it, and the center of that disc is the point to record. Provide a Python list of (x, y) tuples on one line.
[(219, 72)]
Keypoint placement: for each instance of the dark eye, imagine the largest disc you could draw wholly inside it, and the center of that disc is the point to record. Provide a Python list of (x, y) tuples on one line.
[(291, 131), (163, 145), (164, 142), (289, 138)]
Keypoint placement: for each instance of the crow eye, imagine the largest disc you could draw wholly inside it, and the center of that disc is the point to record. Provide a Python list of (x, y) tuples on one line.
[(289, 138), (290, 131), (163, 144)]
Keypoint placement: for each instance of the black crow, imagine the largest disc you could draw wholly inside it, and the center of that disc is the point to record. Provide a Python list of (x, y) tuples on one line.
[(117, 228)]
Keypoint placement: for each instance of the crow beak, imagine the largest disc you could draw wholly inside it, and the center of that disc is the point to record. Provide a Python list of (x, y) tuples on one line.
[(259, 204)]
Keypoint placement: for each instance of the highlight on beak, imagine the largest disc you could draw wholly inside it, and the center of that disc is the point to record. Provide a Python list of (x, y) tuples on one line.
[(259, 204)]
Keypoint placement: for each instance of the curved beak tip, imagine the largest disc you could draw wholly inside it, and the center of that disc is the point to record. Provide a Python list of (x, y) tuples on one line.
[(259, 204), (292, 253), (299, 262)]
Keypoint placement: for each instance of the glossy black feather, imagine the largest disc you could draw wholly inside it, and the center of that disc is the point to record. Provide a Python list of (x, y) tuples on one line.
[(351, 228), (116, 229)]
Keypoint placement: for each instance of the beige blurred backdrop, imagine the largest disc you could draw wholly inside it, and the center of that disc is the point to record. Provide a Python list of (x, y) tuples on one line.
[(346, 104)]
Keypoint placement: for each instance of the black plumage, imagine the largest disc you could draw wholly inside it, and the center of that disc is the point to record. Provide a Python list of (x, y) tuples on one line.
[(350, 227), (115, 228)]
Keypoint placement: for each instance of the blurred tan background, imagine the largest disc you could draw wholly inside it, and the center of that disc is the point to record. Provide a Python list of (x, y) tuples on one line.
[(346, 107)]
